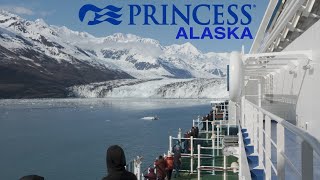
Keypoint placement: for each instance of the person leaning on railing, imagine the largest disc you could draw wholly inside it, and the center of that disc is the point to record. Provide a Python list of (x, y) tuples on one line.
[(177, 160), (160, 165), (204, 124), (169, 165), (196, 131), (211, 116), (186, 144), (193, 132)]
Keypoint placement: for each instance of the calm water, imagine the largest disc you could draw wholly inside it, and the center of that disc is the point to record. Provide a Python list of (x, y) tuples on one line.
[(67, 138)]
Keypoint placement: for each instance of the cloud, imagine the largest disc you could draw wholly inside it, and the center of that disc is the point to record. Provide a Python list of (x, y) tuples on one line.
[(46, 13), (18, 10)]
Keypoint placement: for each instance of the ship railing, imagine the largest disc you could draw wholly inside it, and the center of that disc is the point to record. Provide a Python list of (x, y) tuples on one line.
[(216, 143), (258, 123), (199, 123), (134, 166), (216, 147), (234, 165), (244, 170)]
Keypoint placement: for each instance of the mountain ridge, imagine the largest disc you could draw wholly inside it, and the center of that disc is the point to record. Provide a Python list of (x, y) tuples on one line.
[(90, 59)]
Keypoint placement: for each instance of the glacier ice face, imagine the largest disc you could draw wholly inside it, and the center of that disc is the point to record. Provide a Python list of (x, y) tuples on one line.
[(154, 88)]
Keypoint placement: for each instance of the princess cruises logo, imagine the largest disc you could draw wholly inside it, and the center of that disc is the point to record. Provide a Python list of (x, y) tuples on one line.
[(213, 21), (100, 15)]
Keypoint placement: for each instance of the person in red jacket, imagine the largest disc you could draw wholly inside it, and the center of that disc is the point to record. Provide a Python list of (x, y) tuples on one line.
[(151, 175), (161, 168), (169, 165)]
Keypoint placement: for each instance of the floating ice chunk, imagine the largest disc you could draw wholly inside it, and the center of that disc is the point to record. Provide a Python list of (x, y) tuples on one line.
[(150, 118)]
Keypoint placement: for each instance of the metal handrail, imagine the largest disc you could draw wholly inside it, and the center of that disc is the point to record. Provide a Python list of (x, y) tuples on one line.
[(258, 122), (200, 139), (271, 140), (244, 170), (290, 164), (314, 143)]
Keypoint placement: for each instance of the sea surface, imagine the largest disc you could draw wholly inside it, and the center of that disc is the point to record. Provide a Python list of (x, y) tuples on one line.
[(67, 138)]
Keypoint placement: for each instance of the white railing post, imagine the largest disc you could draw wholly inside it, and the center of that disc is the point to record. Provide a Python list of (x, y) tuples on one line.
[(199, 148), (268, 147), (242, 110), (218, 138), (256, 127), (251, 123), (212, 128), (280, 148), (213, 136), (179, 136), (170, 144), (240, 142), (135, 172), (191, 154), (228, 130), (207, 124), (137, 167), (260, 126), (220, 127), (249, 118), (224, 167), (306, 160), (259, 93)]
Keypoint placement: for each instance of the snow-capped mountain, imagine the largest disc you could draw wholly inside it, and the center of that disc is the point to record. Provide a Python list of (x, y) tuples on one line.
[(66, 58)]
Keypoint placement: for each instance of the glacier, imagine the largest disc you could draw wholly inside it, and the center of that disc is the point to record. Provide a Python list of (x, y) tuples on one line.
[(154, 88)]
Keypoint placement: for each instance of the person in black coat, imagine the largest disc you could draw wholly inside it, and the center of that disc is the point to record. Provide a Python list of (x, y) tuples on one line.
[(116, 162), (193, 132), (196, 131)]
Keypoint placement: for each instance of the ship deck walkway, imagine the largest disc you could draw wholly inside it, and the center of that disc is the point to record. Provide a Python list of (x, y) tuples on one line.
[(207, 158)]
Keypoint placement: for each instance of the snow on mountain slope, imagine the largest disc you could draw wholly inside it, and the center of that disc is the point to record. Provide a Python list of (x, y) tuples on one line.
[(33, 66), (140, 57), (58, 56), (154, 88)]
